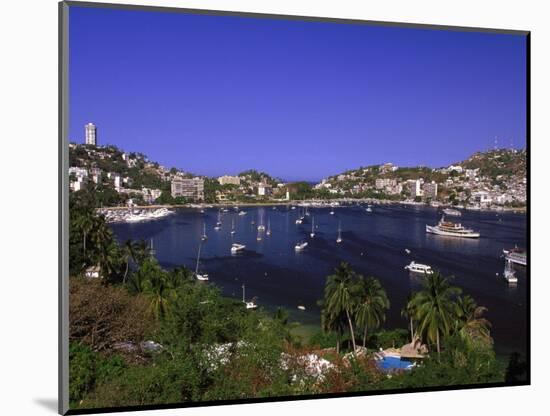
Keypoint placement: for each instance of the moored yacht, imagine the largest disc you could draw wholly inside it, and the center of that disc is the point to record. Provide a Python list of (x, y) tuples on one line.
[(451, 229), (452, 212), (414, 267), (312, 234), (516, 255)]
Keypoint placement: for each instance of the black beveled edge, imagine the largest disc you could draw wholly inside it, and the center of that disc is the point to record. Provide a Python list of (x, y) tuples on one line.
[(63, 117), (290, 398)]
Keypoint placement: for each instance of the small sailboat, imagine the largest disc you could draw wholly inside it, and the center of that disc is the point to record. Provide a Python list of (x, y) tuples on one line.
[(510, 273), (204, 237), (300, 220), (236, 247), (241, 213), (312, 234), (219, 222), (259, 236), (268, 232), (339, 239), (200, 276), (249, 305), (302, 307), (232, 227), (407, 251), (306, 213), (300, 246), (261, 226)]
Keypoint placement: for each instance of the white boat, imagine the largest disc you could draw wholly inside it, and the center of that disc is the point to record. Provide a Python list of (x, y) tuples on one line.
[(299, 220), (225, 210), (414, 267), (510, 273), (407, 251), (232, 227), (261, 226), (339, 239), (452, 212), (451, 229), (219, 222), (293, 207), (516, 255), (331, 212), (312, 234), (306, 213), (199, 275), (302, 307), (268, 232), (204, 237), (241, 213), (369, 209), (300, 246), (249, 305), (236, 247)]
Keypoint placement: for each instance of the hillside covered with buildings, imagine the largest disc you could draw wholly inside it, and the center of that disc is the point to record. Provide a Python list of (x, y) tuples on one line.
[(486, 179)]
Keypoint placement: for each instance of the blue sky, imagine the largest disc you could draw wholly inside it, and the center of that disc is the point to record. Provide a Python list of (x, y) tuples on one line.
[(299, 100)]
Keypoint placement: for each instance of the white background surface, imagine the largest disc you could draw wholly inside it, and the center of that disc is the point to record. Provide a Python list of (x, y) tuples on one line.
[(28, 206)]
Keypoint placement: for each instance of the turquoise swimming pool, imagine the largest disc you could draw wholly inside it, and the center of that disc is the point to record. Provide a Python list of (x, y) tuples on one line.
[(389, 363)]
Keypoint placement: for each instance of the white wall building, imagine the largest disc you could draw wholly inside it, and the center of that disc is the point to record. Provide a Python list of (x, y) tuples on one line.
[(229, 180), (91, 134)]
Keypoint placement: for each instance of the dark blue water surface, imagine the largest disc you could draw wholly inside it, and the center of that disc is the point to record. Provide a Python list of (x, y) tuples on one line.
[(373, 243)]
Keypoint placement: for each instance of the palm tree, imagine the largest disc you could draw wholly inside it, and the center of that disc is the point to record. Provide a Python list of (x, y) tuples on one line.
[(435, 307), (142, 251), (108, 260), (336, 323), (86, 224), (178, 276), (161, 294), (128, 253), (409, 311), (341, 295), (471, 324), (370, 311)]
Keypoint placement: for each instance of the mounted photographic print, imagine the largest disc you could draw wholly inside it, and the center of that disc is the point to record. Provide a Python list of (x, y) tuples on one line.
[(262, 207)]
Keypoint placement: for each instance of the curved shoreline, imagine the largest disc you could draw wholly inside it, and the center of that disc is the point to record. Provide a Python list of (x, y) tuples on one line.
[(342, 203)]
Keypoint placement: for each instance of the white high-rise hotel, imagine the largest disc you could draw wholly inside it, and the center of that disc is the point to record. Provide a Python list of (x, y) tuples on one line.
[(91, 134)]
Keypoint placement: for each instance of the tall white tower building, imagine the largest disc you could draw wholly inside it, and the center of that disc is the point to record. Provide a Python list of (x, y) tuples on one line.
[(91, 134)]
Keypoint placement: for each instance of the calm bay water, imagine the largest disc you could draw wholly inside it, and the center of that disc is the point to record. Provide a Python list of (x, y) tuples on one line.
[(373, 243)]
